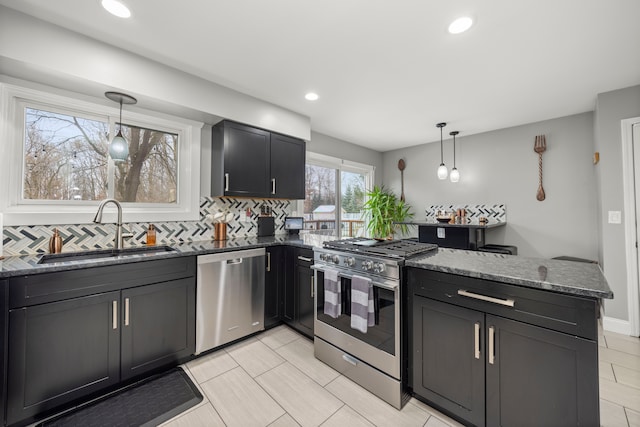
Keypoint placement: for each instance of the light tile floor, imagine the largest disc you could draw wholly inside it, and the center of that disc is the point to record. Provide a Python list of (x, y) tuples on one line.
[(273, 379)]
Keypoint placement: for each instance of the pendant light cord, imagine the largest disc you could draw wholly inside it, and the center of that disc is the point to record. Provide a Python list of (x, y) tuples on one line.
[(454, 151), (441, 155), (120, 123)]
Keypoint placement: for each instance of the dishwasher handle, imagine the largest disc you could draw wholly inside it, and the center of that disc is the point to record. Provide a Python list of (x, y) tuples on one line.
[(234, 261)]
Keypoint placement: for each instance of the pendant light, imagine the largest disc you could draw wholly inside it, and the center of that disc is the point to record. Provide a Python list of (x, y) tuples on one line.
[(119, 148), (442, 169), (455, 175)]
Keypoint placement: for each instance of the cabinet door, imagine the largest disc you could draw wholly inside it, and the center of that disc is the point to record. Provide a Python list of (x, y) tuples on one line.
[(305, 298), (289, 297), (540, 377), (61, 351), (4, 332), (287, 167), (274, 283), (158, 325), (246, 161), (447, 357)]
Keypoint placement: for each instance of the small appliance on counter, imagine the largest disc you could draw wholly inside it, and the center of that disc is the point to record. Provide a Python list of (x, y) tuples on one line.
[(293, 224), (266, 226)]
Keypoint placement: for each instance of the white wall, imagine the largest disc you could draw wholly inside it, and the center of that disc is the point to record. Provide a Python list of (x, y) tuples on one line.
[(611, 108), (35, 50), (501, 167)]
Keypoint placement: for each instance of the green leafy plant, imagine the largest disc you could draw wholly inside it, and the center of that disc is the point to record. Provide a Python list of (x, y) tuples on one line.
[(385, 211)]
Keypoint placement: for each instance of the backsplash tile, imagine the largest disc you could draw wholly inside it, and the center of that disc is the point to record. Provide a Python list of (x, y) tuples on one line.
[(494, 213), (25, 240)]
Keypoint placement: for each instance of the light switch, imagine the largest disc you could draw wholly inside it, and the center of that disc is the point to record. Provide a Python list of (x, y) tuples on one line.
[(615, 217)]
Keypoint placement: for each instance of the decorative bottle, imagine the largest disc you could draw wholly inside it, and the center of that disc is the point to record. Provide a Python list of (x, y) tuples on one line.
[(55, 242)]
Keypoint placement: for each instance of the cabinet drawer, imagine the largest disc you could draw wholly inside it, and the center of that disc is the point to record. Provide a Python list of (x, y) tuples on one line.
[(304, 257), (570, 314), (48, 287)]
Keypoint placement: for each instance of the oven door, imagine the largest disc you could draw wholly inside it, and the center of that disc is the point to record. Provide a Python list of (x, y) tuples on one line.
[(380, 345)]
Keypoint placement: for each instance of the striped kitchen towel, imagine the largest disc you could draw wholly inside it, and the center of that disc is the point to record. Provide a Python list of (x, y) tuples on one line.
[(332, 297), (362, 314)]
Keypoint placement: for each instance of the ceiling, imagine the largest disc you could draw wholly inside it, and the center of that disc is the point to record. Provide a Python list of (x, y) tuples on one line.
[(386, 70)]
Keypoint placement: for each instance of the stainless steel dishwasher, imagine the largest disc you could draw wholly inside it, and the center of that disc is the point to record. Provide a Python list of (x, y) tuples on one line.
[(230, 297)]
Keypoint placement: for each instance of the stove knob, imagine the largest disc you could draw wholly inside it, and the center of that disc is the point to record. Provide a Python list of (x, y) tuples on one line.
[(349, 262), (378, 267), (336, 259), (323, 257), (367, 265)]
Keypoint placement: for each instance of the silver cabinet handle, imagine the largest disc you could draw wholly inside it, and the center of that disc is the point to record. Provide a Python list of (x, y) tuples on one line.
[(476, 350), (273, 186), (126, 312), (492, 354), (114, 312), (226, 182), (350, 359), (507, 302), (234, 261), (304, 258), (268, 261), (312, 286)]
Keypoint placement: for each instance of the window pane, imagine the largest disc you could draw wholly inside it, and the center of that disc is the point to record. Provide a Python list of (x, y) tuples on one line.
[(352, 198), (320, 200), (150, 174), (65, 157)]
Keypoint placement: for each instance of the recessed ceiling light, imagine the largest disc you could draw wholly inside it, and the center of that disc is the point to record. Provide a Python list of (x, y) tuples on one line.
[(460, 25), (311, 96), (116, 8)]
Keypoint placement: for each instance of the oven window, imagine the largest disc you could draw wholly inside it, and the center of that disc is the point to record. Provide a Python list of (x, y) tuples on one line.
[(381, 335)]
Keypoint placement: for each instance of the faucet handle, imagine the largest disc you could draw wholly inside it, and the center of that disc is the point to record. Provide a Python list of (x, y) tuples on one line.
[(127, 234)]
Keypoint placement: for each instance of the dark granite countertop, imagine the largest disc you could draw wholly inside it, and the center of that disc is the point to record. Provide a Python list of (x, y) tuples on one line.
[(28, 264), (447, 225), (569, 277)]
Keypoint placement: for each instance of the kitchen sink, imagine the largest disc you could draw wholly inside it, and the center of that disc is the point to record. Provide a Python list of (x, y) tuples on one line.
[(104, 253)]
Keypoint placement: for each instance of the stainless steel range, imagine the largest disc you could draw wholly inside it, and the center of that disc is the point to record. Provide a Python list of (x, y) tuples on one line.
[(373, 358)]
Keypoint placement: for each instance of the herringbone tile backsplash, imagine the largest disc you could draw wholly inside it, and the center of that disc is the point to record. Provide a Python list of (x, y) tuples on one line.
[(494, 213), (24, 240)]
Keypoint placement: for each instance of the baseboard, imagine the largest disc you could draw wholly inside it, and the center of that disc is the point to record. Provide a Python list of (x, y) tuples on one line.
[(619, 326)]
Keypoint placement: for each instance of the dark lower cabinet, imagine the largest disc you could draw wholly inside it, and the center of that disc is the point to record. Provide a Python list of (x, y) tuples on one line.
[(274, 286), (485, 363), (63, 349), (4, 332), (299, 290), (158, 326)]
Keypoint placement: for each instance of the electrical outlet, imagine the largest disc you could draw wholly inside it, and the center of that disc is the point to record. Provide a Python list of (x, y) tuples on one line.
[(615, 217)]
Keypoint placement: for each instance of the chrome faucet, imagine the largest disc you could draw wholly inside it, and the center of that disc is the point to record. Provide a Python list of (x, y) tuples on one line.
[(119, 239)]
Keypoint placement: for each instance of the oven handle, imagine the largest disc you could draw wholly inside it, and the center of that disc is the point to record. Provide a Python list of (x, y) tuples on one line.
[(350, 276)]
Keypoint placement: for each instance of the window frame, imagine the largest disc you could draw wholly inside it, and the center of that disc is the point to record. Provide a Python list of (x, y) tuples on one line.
[(18, 211), (340, 165)]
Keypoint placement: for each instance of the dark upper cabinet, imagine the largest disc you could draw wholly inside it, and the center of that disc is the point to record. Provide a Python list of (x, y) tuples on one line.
[(251, 162), (287, 167), (274, 286)]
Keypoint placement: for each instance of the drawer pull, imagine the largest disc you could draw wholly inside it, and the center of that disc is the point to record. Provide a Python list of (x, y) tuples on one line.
[(126, 312), (350, 359), (304, 258), (114, 314), (268, 261), (476, 347), (507, 302)]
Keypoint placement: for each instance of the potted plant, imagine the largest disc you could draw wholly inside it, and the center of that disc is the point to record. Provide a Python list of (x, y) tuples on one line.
[(385, 211)]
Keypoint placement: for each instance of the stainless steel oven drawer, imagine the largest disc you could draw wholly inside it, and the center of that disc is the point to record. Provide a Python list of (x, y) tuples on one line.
[(385, 387)]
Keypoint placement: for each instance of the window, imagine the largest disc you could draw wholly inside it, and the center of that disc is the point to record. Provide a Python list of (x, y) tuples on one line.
[(57, 163), (332, 186)]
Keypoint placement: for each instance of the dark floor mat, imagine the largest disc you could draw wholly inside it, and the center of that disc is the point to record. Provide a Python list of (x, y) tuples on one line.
[(147, 403)]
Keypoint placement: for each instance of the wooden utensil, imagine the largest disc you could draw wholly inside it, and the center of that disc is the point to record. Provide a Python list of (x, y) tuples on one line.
[(401, 166), (539, 147)]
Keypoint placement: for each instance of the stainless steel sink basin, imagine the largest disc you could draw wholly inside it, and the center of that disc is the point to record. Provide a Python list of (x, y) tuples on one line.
[(104, 253)]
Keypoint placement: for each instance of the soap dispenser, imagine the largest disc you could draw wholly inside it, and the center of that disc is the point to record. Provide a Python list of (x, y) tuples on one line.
[(55, 242), (151, 235)]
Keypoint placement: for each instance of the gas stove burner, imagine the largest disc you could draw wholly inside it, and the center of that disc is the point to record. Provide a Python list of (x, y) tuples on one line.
[(397, 249)]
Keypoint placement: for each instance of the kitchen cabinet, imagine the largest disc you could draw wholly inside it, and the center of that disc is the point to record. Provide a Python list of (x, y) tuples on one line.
[(274, 286), (299, 291), (251, 162), (487, 362), (4, 332), (74, 333)]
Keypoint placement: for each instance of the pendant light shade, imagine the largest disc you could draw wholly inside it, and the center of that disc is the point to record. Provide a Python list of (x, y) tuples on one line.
[(442, 169), (119, 147), (455, 175)]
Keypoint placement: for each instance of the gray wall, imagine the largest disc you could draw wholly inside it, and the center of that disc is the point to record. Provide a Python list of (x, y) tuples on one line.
[(329, 146), (612, 107), (500, 167)]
